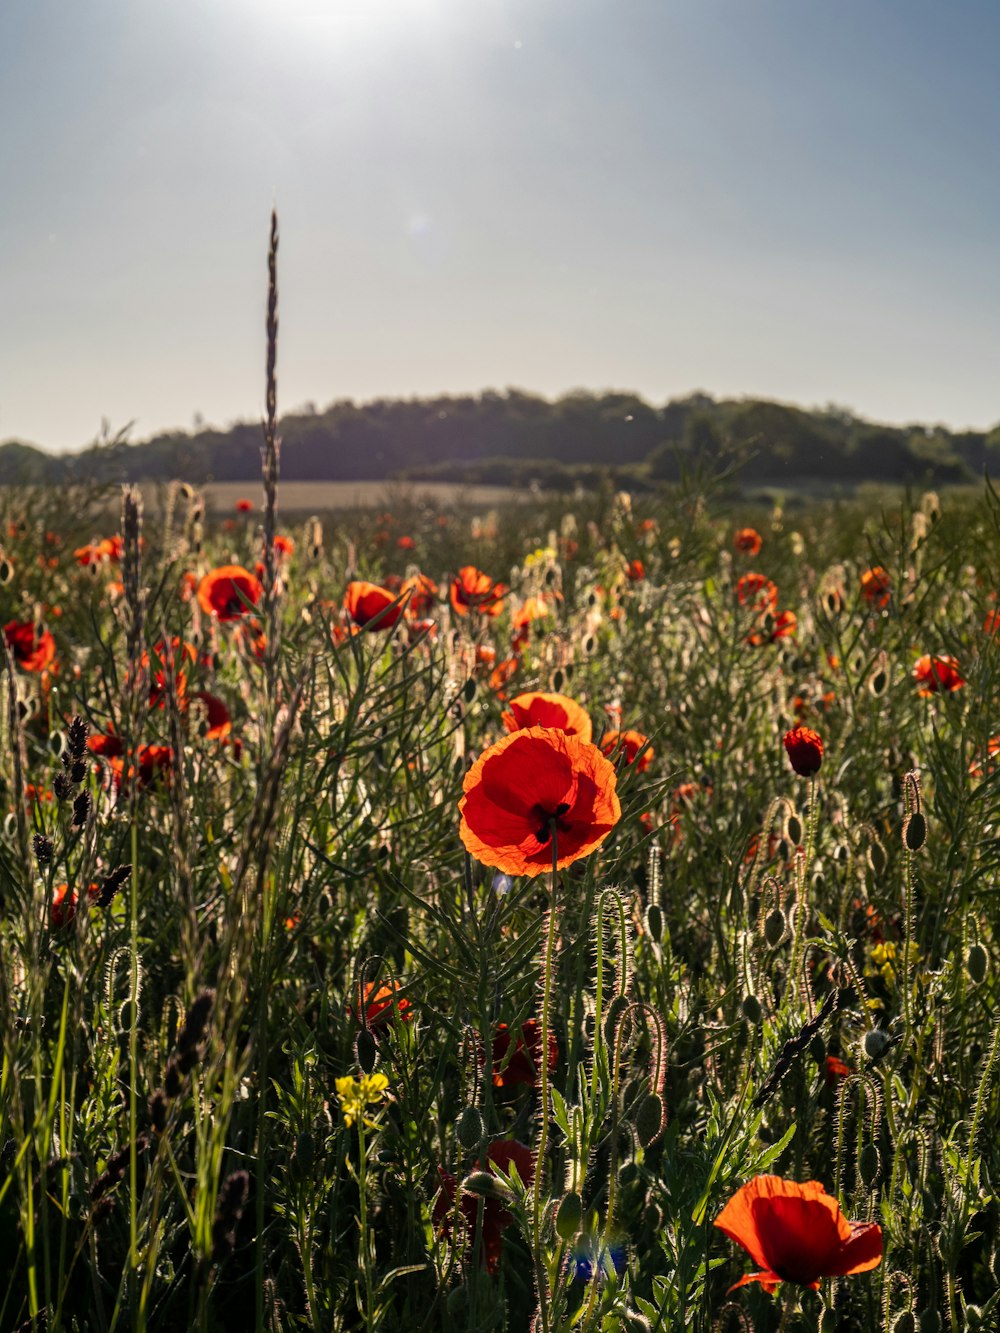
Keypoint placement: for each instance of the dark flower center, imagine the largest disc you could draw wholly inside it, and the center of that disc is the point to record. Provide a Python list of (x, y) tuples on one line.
[(549, 819)]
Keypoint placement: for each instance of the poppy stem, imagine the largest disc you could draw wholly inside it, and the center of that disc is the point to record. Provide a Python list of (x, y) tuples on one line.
[(541, 1271)]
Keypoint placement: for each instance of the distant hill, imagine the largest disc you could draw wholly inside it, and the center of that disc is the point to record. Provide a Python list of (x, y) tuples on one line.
[(512, 437)]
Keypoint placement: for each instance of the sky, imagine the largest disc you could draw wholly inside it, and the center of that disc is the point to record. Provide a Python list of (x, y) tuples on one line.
[(795, 199)]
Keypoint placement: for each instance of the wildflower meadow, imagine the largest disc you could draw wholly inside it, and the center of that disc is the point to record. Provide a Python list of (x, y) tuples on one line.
[(581, 915)]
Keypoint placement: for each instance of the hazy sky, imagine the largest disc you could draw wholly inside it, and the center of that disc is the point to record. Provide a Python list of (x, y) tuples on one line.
[(792, 198)]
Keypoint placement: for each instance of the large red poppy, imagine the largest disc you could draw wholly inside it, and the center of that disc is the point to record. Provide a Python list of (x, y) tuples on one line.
[(797, 1233), (472, 590), (215, 723), (529, 785), (32, 647), (557, 711), (229, 592), (496, 1218), (519, 1068), (937, 673), (805, 750), (755, 590), (372, 607)]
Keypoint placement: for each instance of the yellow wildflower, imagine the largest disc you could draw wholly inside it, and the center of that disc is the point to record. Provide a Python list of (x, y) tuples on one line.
[(356, 1094)]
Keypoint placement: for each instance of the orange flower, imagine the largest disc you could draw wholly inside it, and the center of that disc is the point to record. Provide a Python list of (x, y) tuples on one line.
[(520, 1069), (805, 750), (760, 592), (472, 590), (214, 715), (229, 592), (379, 999), (496, 1218), (32, 648), (423, 593), (937, 673), (628, 743), (529, 784), (372, 607), (549, 710), (876, 586), (748, 541), (797, 1233)]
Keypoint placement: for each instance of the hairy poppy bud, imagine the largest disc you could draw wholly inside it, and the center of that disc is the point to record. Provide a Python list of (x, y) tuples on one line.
[(869, 1164), (752, 1011), (650, 1119), (975, 961), (614, 1012), (817, 1049), (569, 1215), (875, 1043), (930, 1321), (915, 831), (654, 922), (366, 1050), (774, 927), (471, 1129), (486, 1184), (903, 1323), (793, 826), (805, 750)]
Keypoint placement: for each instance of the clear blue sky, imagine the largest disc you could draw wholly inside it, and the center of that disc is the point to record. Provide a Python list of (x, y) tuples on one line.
[(792, 198)]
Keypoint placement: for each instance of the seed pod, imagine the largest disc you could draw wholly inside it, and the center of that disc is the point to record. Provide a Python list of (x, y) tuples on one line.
[(569, 1216), (869, 1164), (775, 926), (471, 1129), (654, 922), (366, 1050), (650, 1119), (975, 961), (915, 831), (752, 1011)]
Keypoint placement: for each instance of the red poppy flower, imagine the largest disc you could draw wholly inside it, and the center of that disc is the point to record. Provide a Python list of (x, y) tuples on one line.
[(520, 1069), (244, 506), (757, 591), (628, 743), (528, 784), (635, 571), (937, 673), (283, 545), (472, 590), (372, 607), (496, 1218), (797, 1233), (94, 553), (405, 543), (876, 586), (748, 541), (422, 592), (805, 750), (213, 713), (229, 592), (107, 746), (992, 622), (502, 673), (835, 1069), (62, 909), (379, 999), (534, 608), (976, 765), (549, 710), (32, 647), (169, 658), (781, 626), (155, 762)]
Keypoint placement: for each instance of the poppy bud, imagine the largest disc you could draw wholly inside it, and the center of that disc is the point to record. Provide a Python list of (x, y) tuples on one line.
[(558, 680), (904, 1323), (973, 1317), (829, 1321), (654, 921), (775, 927), (869, 1164), (569, 1215), (614, 1012), (793, 825), (878, 683), (877, 858), (366, 1050), (875, 1043), (915, 831), (469, 690), (817, 1049), (930, 1321), (975, 962), (633, 1322), (752, 1011), (650, 1119), (471, 1129), (486, 1184)]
